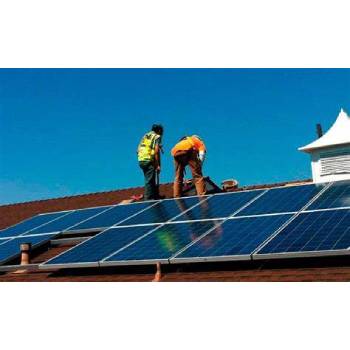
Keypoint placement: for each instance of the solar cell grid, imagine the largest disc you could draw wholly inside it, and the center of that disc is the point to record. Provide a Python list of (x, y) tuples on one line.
[(111, 217), (100, 246), (163, 242), (219, 206), (68, 220), (336, 196), (163, 211), (30, 224), (235, 238), (311, 232), (282, 200)]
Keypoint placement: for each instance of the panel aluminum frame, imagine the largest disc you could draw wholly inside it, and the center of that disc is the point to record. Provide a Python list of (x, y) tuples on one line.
[(103, 263), (310, 254), (219, 258)]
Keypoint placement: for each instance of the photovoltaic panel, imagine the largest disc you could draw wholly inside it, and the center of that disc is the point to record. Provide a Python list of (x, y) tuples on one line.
[(236, 239), (282, 200), (219, 206), (111, 216), (68, 220), (11, 248), (312, 232), (30, 224), (163, 211), (162, 243), (336, 196), (95, 249), (4, 240)]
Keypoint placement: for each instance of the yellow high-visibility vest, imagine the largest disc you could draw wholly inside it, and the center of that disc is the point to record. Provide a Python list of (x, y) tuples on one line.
[(146, 149)]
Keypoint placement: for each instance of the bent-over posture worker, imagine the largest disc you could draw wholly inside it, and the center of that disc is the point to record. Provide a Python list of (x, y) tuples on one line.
[(190, 150), (148, 154)]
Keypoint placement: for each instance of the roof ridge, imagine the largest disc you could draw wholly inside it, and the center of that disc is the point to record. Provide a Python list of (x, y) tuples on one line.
[(71, 196)]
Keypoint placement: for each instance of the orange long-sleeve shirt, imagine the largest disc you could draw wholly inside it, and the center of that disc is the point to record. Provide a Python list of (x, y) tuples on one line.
[(187, 144)]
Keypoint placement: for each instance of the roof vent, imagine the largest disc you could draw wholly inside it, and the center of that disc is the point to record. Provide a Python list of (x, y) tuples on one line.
[(335, 162), (230, 184), (330, 153)]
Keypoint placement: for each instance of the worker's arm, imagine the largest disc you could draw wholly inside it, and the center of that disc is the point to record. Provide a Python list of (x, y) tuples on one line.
[(201, 149), (201, 156), (157, 157)]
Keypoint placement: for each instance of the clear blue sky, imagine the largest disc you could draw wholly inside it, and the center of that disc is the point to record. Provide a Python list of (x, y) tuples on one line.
[(73, 131)]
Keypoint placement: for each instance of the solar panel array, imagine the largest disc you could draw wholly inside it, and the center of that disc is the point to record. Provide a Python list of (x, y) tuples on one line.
[(320, 231), (40, 229), (282, 222)]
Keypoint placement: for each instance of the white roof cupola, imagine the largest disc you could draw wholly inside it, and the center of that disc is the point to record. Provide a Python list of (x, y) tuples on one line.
[(330, 154)]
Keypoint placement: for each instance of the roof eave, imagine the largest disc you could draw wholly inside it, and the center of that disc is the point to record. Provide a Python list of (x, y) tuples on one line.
[(311, 149)]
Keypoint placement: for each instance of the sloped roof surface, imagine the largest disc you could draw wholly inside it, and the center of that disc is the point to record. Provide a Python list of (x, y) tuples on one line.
[(320, 269)]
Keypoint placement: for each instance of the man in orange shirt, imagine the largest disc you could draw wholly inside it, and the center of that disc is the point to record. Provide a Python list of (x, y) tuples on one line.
[(190, 150)]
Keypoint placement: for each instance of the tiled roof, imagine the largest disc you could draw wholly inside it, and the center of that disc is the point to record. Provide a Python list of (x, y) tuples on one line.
[(335, 269), (14, 213), (316, 269)]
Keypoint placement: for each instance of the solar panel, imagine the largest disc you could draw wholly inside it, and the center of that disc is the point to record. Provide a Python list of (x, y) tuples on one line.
[(236, 239), (311, 232), (221, 227), (11, 248), (164, 211), (3, 240), (90, 252), (282, 200), (161, 244), (69, 220), (336, 196), (30, 224), (111, 217), (219, 206)]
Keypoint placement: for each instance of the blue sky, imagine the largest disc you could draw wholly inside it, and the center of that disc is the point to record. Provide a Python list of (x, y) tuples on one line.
[(73, 131)]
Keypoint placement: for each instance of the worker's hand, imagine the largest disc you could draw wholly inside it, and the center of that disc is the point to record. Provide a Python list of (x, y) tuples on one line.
[(201, 156), (158, 169)]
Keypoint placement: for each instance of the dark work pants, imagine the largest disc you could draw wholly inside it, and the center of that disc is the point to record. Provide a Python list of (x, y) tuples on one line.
[(181, 161), (151, 189)]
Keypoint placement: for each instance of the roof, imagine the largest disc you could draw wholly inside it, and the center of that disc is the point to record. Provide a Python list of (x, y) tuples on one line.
[(311, 269), (338, 134), (11, 214), (324, 269)]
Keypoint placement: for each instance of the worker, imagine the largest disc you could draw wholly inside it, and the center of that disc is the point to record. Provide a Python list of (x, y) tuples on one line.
[(191, 151), (148, 153)]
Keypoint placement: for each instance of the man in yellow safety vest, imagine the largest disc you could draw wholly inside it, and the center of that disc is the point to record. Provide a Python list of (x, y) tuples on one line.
[(148, 154)]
